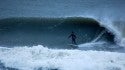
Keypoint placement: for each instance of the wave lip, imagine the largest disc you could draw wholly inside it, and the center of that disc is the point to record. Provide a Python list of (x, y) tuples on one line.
[(36, 57)]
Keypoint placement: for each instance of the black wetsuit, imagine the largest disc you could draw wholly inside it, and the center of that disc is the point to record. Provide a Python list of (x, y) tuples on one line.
[(73, 37)]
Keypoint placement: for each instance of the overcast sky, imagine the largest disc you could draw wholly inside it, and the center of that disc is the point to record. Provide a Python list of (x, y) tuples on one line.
[(60, 8)]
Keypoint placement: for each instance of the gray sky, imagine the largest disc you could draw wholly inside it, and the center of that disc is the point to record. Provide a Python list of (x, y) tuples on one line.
[(58, 8)]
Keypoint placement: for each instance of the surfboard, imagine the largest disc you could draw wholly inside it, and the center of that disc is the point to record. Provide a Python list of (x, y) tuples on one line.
[(73, 46)]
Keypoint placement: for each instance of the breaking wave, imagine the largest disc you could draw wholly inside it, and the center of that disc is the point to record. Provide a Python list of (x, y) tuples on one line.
[(52, 32), (33, 44)]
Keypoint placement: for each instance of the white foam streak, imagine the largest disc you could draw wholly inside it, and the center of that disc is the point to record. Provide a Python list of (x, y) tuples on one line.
[(92, 44)]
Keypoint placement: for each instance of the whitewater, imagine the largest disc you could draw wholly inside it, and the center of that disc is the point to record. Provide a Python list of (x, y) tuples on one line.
[(42, 58)]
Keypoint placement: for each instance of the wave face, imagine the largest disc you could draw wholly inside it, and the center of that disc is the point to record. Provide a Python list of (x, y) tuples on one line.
[(41, 58), (51, 32)]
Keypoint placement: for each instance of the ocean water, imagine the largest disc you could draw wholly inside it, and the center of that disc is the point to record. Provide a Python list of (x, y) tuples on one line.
[(43, 44)]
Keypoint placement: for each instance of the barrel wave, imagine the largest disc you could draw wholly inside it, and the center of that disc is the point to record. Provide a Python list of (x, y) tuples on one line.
[(51, 32)]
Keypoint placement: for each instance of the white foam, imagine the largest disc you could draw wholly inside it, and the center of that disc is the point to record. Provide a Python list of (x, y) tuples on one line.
[(32, 58)]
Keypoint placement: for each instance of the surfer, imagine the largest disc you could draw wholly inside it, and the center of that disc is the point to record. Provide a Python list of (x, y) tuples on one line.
[(73, 37)]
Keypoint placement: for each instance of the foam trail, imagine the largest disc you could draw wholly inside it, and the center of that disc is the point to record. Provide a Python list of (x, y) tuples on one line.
[(39, 57), (92, 44)]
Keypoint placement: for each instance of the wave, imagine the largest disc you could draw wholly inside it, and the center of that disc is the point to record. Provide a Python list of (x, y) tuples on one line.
[(98, 44), (53, 32), (42, 58)]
